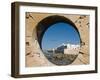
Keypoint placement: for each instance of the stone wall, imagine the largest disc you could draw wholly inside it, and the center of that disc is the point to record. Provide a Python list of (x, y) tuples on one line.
[(34, 54)]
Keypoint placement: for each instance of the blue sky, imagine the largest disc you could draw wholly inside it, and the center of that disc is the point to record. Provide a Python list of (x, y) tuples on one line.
[(59, 33)]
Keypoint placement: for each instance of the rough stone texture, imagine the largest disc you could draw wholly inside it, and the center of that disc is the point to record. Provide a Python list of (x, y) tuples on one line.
[(35, 56)]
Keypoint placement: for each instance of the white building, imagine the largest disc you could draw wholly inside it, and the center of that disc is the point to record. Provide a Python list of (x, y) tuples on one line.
[(68, 48), (72, 49), (73, 46)]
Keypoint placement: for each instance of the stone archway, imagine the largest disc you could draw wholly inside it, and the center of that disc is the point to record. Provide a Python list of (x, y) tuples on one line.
[(41, 28), (81, 23)]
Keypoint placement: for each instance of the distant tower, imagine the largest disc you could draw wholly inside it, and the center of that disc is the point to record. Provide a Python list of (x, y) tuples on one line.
[(53, 50), (69, 45)]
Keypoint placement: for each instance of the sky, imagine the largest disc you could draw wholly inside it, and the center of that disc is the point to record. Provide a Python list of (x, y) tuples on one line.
[(58, 34)]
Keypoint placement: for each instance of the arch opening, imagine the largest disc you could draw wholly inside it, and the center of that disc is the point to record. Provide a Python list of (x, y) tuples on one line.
[(57, 48)]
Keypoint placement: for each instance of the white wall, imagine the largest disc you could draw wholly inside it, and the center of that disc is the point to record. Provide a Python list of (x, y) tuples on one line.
[(5, 41)]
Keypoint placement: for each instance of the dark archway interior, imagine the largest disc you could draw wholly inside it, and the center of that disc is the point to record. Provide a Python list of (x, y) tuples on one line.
[(44, 24)]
